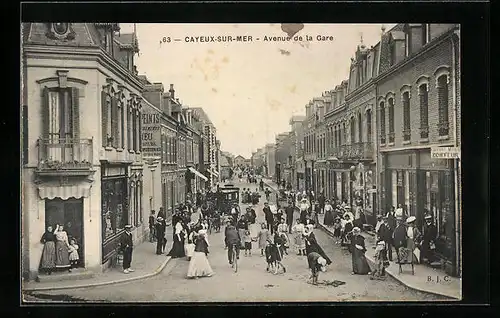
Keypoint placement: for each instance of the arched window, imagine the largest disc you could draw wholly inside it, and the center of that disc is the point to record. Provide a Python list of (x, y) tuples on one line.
[(360, 128), (382, 123), (442, 91), (353, 130), (406, 116), (391, 120), (424, 110), (369, 125)]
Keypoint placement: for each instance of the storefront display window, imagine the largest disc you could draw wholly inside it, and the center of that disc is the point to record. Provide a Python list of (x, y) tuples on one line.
[(114, 213)]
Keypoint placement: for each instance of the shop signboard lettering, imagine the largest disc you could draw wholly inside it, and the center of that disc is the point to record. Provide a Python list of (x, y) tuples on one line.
[(151, 134), (445, 153)]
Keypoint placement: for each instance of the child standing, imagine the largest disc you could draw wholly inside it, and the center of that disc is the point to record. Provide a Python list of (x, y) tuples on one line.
[(73, 253), (247, 239), (300, 244), (263, 236), (337, 227)]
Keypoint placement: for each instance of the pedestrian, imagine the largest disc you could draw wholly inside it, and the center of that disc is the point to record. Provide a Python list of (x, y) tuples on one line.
[(282, 231), (269, 217), (62, 245), (316, 264), (337, 228), (399, 238), (428, 240), (413, 242), (74, 258), (312, 244), (289, 216), (347, 227), (48, 260), (380, 261), (160, 228), (328, 219), (248, 243), (189, 245), (127, 247), (199, 265), (263, 236), (321, 201), (177, 250), (359, 263), (298, 230), (303, 207), (385, 234), (152, 221)]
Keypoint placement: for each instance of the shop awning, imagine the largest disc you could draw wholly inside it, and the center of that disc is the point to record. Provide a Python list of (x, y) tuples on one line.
[(52, 191), (199, 174)]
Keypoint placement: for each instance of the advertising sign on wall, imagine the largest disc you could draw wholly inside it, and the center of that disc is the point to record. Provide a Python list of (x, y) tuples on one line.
[(151, 133)]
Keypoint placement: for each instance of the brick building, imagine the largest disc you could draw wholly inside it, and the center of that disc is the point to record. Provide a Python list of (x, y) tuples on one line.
[(418, 104)]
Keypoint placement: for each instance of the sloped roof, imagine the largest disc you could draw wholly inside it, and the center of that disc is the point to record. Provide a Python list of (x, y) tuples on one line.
[(202, 115), (224, 162)]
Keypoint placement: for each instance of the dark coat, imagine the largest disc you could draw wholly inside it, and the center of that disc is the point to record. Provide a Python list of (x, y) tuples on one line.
[(126, 241), (385, 233), (399, 236), (201, 245), (268, 214)]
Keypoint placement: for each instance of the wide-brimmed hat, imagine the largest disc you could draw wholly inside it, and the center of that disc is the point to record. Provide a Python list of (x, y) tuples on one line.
[(411, 219), (202, 232), (359, 247), (356, 230), (428, 217)]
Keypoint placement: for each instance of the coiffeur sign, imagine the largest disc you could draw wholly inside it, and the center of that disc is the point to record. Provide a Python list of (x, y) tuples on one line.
[(445, 153), (151, 133)]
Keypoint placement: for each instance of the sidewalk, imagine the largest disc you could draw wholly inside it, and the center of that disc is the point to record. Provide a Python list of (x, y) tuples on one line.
[(425, 278), (145, 262)]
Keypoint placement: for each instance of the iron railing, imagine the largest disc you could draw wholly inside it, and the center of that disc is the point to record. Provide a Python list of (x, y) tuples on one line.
[(64, 154)]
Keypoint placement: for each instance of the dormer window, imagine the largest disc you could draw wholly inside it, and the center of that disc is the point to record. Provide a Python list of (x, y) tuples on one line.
[(60, 28)]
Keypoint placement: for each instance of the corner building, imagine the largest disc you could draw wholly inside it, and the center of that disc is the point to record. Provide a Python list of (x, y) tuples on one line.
[(82, 163)]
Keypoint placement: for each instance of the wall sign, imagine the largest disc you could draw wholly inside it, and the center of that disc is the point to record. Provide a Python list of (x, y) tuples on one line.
[(445, 153), (151, 133)]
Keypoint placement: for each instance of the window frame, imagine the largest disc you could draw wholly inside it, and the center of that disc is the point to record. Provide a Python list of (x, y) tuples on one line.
[(406, 107), (443, 110)]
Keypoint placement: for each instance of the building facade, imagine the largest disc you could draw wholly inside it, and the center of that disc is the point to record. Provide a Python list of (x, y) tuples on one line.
[(82, 161), (208, 148), (418, 92)]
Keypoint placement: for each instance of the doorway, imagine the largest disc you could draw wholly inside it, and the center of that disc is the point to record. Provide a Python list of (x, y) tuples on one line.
[(70, 214)]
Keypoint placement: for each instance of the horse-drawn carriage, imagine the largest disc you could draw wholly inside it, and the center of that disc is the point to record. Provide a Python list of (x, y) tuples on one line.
[(228, 195)]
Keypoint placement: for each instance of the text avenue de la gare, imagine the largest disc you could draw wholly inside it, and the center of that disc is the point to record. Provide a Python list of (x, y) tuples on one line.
[(246, 38)]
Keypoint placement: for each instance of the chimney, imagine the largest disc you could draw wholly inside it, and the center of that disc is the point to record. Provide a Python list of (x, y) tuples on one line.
[(154, 94), (415, 31), (172, 91)]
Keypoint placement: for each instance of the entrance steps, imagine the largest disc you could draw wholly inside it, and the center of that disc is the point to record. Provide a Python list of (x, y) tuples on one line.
[(75, 274)]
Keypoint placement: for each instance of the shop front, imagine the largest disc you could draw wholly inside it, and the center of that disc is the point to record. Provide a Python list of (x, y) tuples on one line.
[(422, 185), (168, 192), (114, 207)]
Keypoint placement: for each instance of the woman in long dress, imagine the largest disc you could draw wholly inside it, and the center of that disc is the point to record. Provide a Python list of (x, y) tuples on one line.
[(199, 265), (359, 263), (62, 248), (177, 250), (300, 244), (413, 240), (312, 244), (329, 218), (48, 260), (263, 236)]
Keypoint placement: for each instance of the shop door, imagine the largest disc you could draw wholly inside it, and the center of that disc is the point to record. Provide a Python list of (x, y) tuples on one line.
[(70, 214), (400, 189)]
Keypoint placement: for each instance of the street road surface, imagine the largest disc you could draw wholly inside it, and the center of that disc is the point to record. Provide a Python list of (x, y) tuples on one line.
[(252, 283)]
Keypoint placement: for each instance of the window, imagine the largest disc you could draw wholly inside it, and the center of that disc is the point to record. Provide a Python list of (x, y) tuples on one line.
[(163, 148), (360, 129), (344, 134), (129, 125), (106, 119), (134, 130), (391, 120), (139, 128), (442, 89), (424, 111), (121, 128), (382, 123), (114, 213), (369, 125), (353, 130), (406, 116)]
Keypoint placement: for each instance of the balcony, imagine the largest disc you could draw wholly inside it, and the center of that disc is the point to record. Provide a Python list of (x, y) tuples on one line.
[(356, 151), (64, 157)]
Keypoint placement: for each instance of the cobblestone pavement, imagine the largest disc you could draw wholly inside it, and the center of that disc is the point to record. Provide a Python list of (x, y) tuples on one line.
[(252, 282)]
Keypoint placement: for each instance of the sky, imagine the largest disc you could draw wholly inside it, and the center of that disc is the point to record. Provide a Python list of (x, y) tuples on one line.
[(249, 90)]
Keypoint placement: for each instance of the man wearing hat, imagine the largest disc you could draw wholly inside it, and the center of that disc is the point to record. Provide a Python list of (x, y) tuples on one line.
[(161, 240), (428, 240), (127, 245), (399, 235), (269, 217), (385, 234)]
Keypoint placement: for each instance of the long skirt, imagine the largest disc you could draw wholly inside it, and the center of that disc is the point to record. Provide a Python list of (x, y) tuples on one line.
[(299, 241), (189, 249), (359, 263), (328, 220), (48, 260), (199, 266), (62, 255), (254, 231), (177, 248)]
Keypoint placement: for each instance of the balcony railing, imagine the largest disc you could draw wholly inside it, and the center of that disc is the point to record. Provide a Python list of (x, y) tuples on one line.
[(360, 150), (64, 155)]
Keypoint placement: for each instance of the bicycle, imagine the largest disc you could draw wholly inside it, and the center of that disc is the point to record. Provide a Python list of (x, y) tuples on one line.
[(234, 257)]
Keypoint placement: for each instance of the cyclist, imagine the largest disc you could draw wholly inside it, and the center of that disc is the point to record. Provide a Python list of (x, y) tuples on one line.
[(232, 238)]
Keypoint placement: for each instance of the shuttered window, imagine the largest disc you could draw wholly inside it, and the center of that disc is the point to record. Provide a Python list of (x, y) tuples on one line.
[(139, 130), (104, 119), (121, 124), (424, 111), (129, 125), (114, 122), (406, 116)]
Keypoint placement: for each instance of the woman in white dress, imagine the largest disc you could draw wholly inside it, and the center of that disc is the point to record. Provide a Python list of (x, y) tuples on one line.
[(199, 265), (62, 248), (298, 229)]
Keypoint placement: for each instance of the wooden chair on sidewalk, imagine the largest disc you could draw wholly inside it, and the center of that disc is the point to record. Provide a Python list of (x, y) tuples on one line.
[(401, 263)]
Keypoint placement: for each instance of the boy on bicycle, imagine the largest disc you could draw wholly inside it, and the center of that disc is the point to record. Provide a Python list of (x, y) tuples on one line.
[(232, 238)]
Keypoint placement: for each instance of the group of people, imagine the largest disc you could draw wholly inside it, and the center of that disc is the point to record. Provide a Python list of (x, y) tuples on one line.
[(60, 250), (249, 196)]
